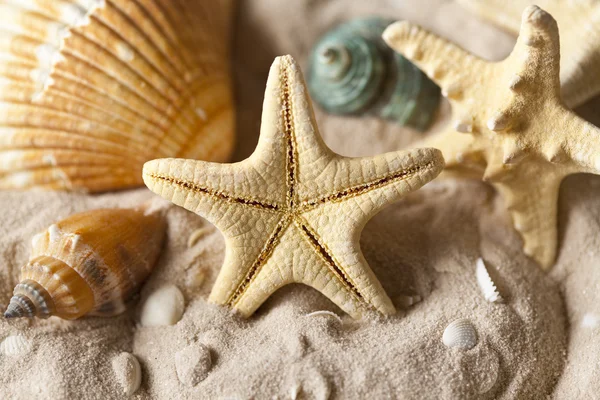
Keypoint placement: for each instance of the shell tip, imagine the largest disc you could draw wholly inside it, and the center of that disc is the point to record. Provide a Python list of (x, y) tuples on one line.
[(18, 308), (14, 311)]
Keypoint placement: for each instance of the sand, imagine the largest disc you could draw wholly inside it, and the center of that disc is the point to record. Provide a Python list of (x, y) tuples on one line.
[(543, 341)]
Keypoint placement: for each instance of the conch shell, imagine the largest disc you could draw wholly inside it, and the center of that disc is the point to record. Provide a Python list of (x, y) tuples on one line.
[(91, 89), (90, 263), (352, 71)]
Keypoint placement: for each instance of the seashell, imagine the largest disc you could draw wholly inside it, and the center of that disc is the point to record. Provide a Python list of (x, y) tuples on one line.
[(164, 306), (325, 313), (193, 364), (590, 320), (460, 333), (15, 345), (353, 71), (486, 284), (91, 89), (128, 372), (406, 301), (89, 263)]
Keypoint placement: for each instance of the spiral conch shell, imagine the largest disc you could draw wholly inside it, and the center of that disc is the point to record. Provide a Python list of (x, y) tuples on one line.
[(91, 89), (353, 71), (90, 263)]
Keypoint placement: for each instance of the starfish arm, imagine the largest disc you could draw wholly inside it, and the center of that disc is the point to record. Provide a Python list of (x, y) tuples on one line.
[(531, 75), (250, 242), (445, 63), (299, 259), (243, 183), (335, 232), (208, 189), (398, 172), (533, 207), (538, 49), (578, 22), (337, 220)]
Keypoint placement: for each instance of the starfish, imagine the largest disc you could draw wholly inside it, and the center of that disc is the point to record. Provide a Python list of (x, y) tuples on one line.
[(513, 126), (294, 210), (579, 23)]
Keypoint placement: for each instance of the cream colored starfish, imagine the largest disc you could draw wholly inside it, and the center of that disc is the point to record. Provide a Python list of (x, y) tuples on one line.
[(579, 23), (516, 127), (294, 210)]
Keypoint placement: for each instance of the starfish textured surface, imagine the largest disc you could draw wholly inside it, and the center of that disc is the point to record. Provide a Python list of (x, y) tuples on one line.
[(294, 210), (512, 124), (579, 23)]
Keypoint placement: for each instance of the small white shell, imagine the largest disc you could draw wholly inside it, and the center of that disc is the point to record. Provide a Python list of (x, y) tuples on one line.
[(163, 307), (486, 284), (325, 313), (193, 364), (128, 372), (405, 301), (15, 345), (460, 333), (590, 321)]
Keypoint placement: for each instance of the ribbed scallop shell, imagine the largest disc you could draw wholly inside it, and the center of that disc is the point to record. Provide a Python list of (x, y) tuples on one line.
[(460, 333), (90, 263), (15, 345), (91, 89), (352, 71)]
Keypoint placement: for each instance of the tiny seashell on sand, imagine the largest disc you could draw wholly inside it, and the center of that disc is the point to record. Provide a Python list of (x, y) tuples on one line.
[(590, 320), (164, 306), (325, 313), (406, 301), (486, 284), (91, 263), (461, 334), (128, 372), (193, 364), (15, 345), (195, 278)]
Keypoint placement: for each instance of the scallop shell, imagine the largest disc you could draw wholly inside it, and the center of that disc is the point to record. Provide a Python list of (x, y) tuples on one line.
[(193, 364), (486, 284), (91, 89), (15, 345), (128, 372), (353, 71), (460, 333), (89, 263), (164, 306)]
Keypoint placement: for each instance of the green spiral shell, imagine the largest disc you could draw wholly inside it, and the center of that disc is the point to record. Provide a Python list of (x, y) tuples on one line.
[(352, 71)]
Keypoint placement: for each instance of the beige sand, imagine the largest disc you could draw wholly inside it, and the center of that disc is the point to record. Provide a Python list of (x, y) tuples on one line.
[(541, 341)]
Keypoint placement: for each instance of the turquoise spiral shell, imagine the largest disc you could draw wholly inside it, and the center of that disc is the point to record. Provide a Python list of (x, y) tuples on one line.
[(352, 71)]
